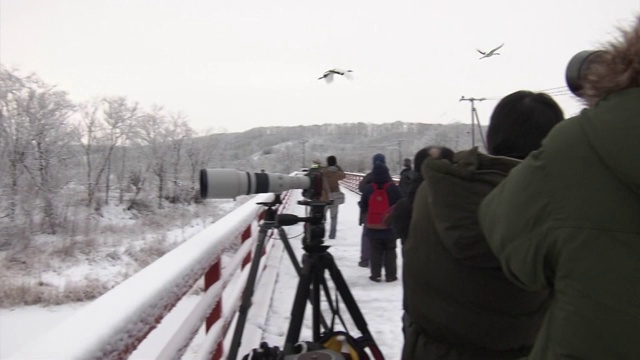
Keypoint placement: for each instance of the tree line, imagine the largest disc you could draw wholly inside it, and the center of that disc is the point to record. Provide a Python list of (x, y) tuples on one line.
[(57, 154), (109, 149)]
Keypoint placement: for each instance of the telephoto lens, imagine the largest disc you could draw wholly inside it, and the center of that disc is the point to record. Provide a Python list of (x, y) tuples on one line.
[(230, 183)]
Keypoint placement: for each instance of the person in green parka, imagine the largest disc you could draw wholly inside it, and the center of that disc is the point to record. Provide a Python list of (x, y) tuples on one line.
[(459, 304), (568, 217)]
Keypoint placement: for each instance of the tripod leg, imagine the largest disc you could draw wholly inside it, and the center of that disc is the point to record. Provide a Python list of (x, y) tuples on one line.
[(332, 307), (343, 289), (318, 279), (247, 294), (299, 304), (287, 245), (320, 285)]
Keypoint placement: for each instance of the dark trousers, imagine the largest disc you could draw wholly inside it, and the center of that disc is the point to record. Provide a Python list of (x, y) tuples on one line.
[(365, 246), (383, 253)]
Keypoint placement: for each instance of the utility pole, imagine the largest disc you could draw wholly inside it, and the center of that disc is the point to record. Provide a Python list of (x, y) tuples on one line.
[(304, 160), (475, 120), (399, 147), (399, 156)]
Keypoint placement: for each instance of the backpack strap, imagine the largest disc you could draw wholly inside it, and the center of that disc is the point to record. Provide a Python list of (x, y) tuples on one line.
[(384, 187)]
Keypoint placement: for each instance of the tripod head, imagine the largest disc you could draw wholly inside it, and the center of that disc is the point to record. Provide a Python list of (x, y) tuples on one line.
[(314, 231), (270, 215)]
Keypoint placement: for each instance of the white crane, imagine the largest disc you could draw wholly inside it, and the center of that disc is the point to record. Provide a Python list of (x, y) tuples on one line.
[(328, 75), (490, 53)]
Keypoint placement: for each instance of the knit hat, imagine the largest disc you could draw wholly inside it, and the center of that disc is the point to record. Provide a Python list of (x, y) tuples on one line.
[(380, 173), (379, 158)]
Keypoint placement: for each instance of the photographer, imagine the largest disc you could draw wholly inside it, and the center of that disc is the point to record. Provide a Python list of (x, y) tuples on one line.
[(568, 218), (459, 304), (365, 242), (375, 201), (405, 177), (400, 218), (333, 174)]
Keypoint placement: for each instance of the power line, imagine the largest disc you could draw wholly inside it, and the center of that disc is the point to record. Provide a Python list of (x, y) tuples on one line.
[(564, 87), (446, 112), (560, 93), (560, 90)]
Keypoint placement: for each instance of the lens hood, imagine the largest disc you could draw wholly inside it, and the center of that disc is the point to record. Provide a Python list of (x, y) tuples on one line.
[(577, 68)]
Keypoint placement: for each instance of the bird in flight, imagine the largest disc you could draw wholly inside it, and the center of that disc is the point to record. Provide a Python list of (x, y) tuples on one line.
[(328, 75), (490, 53)]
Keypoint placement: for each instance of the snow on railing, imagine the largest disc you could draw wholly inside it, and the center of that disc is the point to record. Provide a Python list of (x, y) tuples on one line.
[(113, 326), (352, 180)]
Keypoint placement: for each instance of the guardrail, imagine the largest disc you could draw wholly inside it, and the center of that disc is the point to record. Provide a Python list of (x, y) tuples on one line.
[(113, 326), (352, 180)]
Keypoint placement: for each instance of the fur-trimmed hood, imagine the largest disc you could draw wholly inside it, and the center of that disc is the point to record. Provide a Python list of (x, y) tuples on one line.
[(616, 68)]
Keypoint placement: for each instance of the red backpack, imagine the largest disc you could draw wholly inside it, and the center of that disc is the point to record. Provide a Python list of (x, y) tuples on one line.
[(378, 207)]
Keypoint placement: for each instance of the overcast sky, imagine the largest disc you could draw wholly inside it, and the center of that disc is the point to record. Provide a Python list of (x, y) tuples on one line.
[(236, 65)]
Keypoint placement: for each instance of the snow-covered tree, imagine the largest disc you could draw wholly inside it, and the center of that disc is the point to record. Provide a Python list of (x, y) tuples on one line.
[(45, 113)]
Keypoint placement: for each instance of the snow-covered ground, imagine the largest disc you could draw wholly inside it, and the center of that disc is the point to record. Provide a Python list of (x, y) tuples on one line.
[(381, 303)]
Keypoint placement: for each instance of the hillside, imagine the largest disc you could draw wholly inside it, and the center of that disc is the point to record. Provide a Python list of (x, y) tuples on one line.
[(95, 245), (285, 149)]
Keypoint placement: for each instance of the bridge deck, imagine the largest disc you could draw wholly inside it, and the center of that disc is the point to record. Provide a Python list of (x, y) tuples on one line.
[(381, 303)]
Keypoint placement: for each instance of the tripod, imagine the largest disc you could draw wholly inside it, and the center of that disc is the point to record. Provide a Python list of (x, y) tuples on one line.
[(271, 220), (315, 262)]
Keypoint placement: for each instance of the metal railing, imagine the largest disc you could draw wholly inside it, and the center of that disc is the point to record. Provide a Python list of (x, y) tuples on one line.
[(352, 180), (112, 326), (115, 324)]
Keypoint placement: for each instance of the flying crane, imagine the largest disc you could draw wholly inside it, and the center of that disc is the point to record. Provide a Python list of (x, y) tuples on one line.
[(490, 53), (328, 75)]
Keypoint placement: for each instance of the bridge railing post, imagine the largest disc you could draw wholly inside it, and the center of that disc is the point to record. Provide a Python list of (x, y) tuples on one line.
[(210, 278)]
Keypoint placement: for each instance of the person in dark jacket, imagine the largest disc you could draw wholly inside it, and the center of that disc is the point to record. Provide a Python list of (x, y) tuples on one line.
[(459, 303), (405, 176), (568, 217), (401, 216), (381, 237), (365, 247)]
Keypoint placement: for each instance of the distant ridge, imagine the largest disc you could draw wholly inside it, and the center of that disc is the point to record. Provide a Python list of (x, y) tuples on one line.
[(280, 149)]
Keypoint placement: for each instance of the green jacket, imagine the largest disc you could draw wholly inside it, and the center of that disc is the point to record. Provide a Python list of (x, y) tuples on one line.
[(568, 218), (460, 304)]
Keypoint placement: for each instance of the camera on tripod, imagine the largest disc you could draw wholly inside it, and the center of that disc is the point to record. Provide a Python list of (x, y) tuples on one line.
[(230, 183), (316, 261)]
